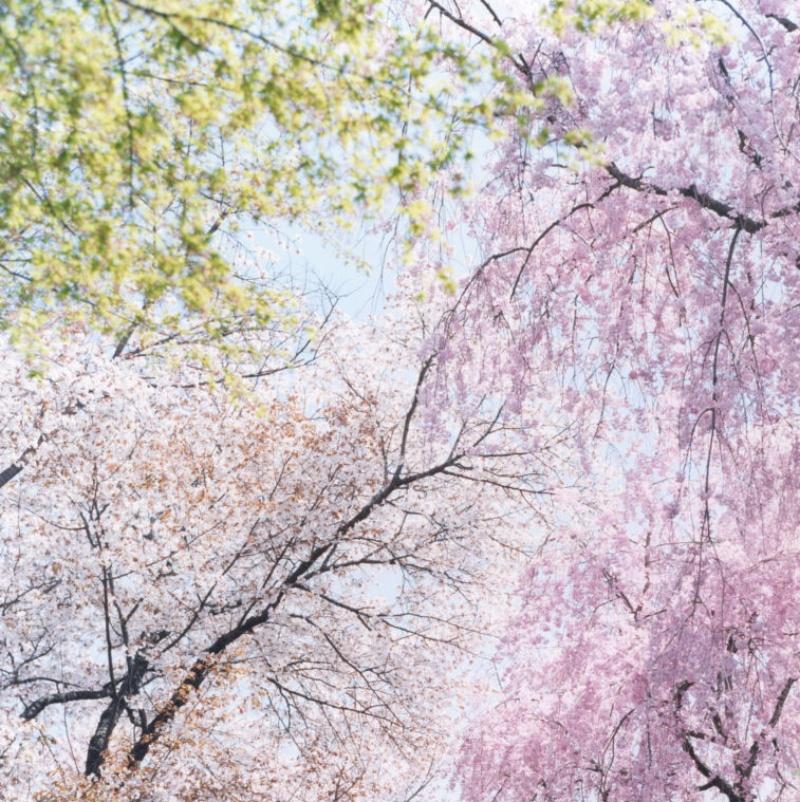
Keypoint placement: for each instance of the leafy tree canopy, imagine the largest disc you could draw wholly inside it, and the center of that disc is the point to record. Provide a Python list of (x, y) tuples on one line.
[(133, 133)]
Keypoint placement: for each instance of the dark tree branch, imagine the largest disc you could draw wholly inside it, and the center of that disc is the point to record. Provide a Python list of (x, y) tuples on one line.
[(718, 207), (34, 708), (493, 13), (410, 414), (532, 247), (787, 23), (784, 695), (9, 473), (129, 686), (714, 780), (520, 65)]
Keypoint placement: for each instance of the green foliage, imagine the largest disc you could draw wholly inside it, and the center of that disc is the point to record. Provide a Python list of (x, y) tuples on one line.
[(589, 15), (133, 134)]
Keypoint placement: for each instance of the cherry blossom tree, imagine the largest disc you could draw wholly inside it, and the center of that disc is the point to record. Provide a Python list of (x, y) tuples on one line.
[(266, 598), (262, 598), (640, 247)]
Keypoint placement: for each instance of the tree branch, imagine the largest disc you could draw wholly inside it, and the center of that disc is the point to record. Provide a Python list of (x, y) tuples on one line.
[(9, 473), (705, 200), (34, 708)]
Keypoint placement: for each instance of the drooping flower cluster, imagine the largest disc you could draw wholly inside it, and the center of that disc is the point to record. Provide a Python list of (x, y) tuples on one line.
[(646, 259)]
